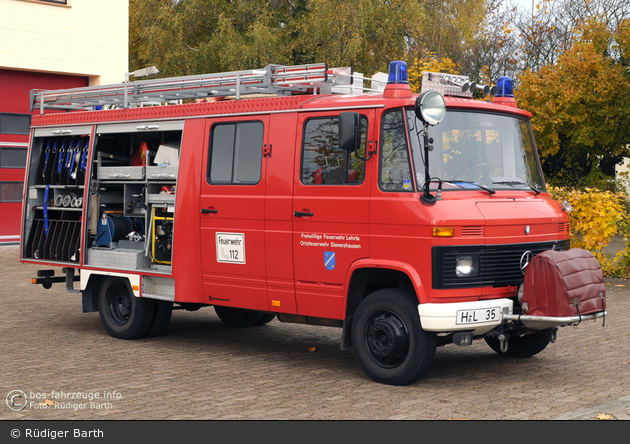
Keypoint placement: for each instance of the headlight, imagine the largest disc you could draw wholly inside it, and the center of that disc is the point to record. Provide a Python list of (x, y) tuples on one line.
[(466, 266)]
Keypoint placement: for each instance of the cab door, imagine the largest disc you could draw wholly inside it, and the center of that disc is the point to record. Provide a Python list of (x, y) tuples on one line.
[(331, 207), (232, 211)]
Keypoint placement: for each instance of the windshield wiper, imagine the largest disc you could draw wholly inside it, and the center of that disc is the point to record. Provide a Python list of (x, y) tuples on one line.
[(483, 187), (518, 182)]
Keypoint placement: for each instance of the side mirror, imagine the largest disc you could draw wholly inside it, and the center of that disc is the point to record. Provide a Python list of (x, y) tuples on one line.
[(430, 107), (349, 131)]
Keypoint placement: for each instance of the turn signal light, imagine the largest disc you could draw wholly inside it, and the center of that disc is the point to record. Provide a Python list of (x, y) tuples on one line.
[(443, 232)]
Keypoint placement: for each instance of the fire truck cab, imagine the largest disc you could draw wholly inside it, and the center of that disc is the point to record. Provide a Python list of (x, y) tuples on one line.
[(406, 220)]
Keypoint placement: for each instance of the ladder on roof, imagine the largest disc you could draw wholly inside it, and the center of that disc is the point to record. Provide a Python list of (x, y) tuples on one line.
[(273, 79)]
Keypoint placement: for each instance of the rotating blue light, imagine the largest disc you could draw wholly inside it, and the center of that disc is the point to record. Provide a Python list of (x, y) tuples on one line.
[(505, 87), (397, 72)]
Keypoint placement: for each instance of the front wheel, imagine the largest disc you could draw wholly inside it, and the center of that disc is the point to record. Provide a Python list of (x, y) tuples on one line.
[(388, 340), (123, 315), (523, 346)]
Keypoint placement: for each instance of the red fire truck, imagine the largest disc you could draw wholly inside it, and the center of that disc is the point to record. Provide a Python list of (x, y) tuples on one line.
[(409, 221)]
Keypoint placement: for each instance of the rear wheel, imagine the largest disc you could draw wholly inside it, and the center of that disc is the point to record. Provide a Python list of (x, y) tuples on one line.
[(161, 317), (123, 315), (523, 346), (238, 317), (388, 340)]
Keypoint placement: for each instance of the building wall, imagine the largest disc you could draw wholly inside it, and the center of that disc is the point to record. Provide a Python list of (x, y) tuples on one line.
[(45, 45), (15, 89), (86, 38)]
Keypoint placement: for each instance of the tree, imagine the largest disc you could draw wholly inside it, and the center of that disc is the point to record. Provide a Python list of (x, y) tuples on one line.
[(581, 106), (195, 36), (158, 35)]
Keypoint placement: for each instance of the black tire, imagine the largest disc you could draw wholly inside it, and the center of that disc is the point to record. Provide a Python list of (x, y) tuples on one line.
[(238, 317), (266, 318), (161, 317), (523, 346), (388, 339), (123, 315)]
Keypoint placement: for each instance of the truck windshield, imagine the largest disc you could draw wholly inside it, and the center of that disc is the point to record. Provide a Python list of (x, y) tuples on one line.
[(492, 150)]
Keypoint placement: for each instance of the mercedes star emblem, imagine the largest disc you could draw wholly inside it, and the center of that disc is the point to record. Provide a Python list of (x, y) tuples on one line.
[(526, 258)]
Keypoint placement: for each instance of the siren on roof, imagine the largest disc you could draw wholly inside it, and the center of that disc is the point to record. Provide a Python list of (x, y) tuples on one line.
[(454, 85)]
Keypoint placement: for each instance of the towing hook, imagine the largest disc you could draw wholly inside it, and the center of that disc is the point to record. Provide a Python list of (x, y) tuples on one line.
[(554, 335), (503, 342)]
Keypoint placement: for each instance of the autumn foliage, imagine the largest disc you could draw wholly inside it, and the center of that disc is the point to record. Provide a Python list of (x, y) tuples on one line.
[(597, 216), (581, 109)]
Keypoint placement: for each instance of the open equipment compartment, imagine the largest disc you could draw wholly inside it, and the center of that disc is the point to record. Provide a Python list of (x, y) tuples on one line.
[(126, 187), (55, 195)]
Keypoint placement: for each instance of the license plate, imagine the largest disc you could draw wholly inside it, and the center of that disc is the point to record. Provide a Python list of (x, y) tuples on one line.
[(478, 316)]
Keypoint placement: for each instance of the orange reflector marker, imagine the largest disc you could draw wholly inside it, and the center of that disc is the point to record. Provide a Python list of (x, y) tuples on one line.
[(275, 303), (443, 232), (33, 281), (135, 287)]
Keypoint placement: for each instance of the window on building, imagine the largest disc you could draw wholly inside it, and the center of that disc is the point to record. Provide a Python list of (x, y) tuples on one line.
[(235, 153), (15, 123), (323, 162), (11, 191), (11, 157)]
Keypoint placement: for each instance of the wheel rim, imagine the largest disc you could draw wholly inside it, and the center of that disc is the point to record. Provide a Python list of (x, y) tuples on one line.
[(118, 303), (387, 339)]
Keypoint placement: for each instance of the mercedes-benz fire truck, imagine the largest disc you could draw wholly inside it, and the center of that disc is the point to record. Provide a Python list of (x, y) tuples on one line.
[(408, 221)]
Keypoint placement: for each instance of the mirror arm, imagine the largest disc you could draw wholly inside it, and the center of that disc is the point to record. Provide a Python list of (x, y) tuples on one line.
[(427, 198)]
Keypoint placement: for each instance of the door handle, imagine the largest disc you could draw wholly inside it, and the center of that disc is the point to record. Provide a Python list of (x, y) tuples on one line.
[(300, 214), (208, 211)]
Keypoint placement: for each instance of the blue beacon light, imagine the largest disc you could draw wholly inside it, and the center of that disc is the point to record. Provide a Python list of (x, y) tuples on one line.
[(397, 83), (397, 72), (505, 87)]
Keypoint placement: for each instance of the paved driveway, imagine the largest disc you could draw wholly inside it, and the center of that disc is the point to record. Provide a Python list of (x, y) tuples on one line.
[(70, 368)]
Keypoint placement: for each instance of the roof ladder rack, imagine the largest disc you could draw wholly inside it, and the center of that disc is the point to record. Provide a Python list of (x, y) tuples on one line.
[(273, 79)]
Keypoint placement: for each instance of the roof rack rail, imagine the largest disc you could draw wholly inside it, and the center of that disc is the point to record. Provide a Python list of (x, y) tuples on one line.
[(273, 79)]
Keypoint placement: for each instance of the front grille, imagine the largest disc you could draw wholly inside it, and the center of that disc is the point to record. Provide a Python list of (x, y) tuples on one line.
[(499, 265)]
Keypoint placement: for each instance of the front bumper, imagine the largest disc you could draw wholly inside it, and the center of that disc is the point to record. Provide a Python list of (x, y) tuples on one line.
[(478, 316)]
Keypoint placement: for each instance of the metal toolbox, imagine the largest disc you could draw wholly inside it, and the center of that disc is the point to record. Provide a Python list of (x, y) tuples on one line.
[(161, 173), (160, 198), (121, 173), (118, 258)]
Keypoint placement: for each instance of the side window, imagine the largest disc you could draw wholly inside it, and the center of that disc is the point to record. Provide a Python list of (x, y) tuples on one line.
[(323, 162), (395, 169), (235, 155)]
